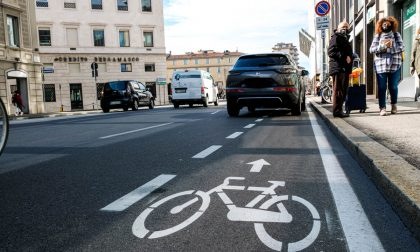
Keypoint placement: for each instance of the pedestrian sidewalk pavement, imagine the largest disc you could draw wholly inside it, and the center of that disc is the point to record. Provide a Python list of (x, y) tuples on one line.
[(387, 148)]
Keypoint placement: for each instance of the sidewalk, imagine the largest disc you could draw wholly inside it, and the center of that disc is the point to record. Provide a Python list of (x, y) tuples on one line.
[(387, 148)]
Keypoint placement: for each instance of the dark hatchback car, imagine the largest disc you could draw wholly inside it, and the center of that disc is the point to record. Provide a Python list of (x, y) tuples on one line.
[(270, 80), (125, 94)]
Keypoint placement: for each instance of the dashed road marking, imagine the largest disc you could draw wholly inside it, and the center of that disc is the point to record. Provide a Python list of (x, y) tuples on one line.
[(259, 120), (126, 201), (249, 126), (215, 112), (207, 151), (234, 135)]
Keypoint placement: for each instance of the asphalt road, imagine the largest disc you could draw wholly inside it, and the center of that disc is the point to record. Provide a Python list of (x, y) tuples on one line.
[(112, 182)]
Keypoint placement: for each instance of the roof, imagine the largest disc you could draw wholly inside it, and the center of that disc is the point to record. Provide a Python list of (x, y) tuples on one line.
[(204, 55)]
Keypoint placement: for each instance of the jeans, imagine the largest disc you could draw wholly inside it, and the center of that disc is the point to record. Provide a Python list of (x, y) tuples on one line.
[(392, 80)]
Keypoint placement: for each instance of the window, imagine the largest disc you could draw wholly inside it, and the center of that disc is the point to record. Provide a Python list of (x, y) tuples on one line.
[(72, 39), (13, 31), (185, 62), (96, 4), (196, 61), (124, 39), (74, 67), (207, 61), (146, 5), (126, 67), (49, 92), (41, 3), (99, 37), (122, 5), (68, 4), (219, 60), (148, 39), (44, 36), (219, 70), (149, 67)]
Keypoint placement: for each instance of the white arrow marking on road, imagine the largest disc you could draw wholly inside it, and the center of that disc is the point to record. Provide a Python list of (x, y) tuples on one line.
[(258, 165)]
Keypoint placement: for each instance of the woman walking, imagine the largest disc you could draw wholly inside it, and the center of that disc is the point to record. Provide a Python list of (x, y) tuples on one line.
[(387, 46), (341, 61), (415, 60)]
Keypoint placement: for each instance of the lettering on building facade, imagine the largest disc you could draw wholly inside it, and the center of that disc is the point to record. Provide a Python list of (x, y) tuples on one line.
[(97, 59)]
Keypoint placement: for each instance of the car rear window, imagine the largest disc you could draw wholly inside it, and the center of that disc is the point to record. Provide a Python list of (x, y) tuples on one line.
[(262, 61), (116, 85), (187, 76)]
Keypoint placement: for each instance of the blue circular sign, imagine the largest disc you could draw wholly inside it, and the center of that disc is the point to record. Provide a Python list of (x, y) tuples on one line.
[(322, 8)]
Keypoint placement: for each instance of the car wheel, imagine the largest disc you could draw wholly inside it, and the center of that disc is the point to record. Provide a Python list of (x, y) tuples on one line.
[(190, 105), (251, 109), (297, 108), (232, 109), (152, 104), (125, 108), (206, 102), (135, 105), (105, 110), (176, 105)]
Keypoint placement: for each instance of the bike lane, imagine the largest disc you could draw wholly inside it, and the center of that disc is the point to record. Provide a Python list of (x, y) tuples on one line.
[(234, 216)]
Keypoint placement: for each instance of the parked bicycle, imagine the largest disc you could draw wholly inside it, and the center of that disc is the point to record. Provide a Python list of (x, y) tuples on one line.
[(326, 89), (272, 210), (4, 126)]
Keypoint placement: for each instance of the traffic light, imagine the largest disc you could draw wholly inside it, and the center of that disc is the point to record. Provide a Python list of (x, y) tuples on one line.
[(94, 67)]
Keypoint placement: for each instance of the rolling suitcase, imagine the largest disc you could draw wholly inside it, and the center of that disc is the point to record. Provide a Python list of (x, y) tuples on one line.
[(356, 92)]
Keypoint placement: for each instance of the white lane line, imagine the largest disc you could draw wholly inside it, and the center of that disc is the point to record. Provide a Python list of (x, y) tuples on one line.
[(215, 112), (134, 131), (249, 126), (126, 201), (207, 151), (359, 233), (234, 135), (259, 120)]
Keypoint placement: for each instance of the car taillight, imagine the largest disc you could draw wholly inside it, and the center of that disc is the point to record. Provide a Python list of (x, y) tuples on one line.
[(285, 89), (202, 90), (234, 90)]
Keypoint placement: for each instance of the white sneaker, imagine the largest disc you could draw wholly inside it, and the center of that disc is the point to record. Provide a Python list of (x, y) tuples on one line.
[(382, 112), (394, 108)]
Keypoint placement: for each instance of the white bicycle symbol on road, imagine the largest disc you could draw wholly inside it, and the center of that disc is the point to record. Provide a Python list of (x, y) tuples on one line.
[(249, 213)]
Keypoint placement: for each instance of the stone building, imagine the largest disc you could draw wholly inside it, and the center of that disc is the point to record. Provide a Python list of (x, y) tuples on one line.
[(288, 48), (124, 38), (217, 64), (19, 63)]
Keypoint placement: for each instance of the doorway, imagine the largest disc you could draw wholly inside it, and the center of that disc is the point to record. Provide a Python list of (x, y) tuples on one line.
[(17, 80), (76, 97)]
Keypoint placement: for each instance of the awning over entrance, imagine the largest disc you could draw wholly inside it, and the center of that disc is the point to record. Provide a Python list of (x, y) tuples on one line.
[(16, 74)]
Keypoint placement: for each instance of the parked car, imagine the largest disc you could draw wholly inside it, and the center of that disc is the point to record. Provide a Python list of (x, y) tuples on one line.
[(126, 94), (271, 80), (193, 87)]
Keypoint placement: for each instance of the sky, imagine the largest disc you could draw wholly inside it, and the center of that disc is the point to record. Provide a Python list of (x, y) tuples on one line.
[(247, 26)]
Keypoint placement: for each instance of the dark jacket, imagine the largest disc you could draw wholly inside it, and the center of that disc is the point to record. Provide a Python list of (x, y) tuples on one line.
[(338, 50)]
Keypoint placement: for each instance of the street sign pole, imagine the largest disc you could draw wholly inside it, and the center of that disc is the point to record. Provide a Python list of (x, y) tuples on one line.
[(322, 8)]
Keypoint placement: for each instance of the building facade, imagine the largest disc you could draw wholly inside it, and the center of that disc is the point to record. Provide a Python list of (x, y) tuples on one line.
[(217, 64), (85, 43), (19, 63), (362, 16), (288, 48)]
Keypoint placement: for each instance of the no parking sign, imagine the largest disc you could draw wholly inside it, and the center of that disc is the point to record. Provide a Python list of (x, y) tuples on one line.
[(322, 8)]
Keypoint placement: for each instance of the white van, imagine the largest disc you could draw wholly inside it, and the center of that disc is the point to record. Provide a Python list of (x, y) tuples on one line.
[(193, 87)]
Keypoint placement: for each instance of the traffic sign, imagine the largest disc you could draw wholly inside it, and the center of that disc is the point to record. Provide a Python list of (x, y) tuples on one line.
[(322, 23), (322, 8)]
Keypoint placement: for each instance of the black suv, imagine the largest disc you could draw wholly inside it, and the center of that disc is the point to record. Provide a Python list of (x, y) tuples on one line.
[(125, 94), (271, 80)]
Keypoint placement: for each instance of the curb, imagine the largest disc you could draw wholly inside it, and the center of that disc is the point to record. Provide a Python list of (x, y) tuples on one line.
[(395, 178)]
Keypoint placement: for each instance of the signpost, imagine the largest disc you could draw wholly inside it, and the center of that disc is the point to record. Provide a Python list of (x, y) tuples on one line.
[(322, 8)]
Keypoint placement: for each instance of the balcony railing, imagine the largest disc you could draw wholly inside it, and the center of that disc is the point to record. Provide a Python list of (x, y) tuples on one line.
[(41, 4), (69, 5), (96, 6), (122, 7)]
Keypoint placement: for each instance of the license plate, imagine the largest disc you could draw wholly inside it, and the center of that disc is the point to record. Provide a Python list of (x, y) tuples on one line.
[(115, 103), (180, 90)]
